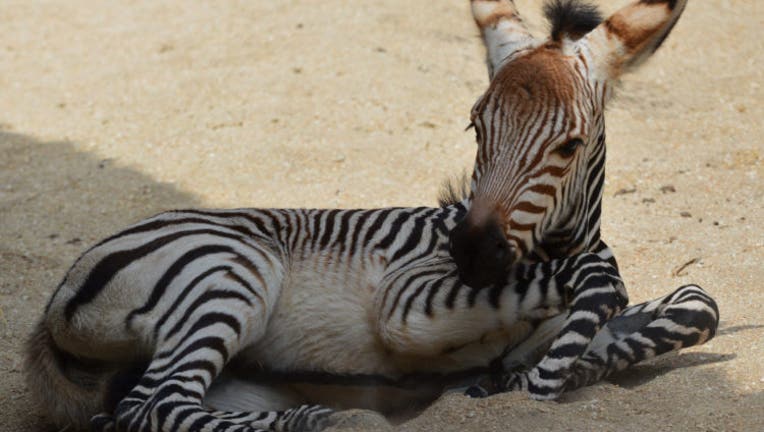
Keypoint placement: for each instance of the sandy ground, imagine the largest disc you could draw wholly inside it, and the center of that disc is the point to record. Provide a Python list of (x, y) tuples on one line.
[(113, 111)]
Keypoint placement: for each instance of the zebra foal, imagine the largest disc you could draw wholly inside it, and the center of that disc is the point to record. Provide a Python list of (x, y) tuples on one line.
[(258, 319)]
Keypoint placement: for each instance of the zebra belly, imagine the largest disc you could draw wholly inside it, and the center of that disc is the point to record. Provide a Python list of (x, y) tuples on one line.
[(400, 384), (323, 320)]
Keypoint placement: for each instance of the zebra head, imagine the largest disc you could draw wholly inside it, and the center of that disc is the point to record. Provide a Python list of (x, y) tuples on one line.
[(536, 187)]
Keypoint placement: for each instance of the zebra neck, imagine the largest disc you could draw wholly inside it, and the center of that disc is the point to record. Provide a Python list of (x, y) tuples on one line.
[(561, 245)]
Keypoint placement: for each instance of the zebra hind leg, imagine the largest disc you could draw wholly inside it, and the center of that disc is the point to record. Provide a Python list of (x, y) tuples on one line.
[(169, 397), (684, 318), (306, 418), (190, 355)]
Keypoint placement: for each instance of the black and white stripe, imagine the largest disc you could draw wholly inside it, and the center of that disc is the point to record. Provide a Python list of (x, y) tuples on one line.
[(173, 323), (202, 287)]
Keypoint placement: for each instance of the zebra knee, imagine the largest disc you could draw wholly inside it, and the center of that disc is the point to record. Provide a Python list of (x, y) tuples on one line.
[(694, 312)]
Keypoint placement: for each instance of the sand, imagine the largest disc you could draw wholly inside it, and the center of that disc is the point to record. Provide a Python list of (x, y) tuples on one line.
[(113, 111)]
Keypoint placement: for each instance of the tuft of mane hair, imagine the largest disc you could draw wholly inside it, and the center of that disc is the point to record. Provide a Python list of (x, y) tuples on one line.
[(571, 19), (454, 191)]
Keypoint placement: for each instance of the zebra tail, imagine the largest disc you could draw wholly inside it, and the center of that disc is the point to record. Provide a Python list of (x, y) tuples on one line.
[(69, 392)]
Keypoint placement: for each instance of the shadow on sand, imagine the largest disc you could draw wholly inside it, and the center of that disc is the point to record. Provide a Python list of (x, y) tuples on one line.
[(55, 201)]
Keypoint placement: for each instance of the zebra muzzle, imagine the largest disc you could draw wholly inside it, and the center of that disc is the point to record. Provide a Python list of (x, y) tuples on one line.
[(481, 252)]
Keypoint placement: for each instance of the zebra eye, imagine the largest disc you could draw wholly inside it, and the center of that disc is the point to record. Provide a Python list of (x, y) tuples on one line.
[(569, 148)]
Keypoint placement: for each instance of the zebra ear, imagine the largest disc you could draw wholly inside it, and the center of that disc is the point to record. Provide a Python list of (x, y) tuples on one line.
[(502, 29), (629, 36)]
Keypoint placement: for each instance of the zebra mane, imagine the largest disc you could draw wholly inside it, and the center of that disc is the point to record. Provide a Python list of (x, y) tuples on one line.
[(571, 18), (454, 190)]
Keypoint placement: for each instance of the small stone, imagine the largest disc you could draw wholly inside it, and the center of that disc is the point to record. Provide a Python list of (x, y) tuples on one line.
[(685, 214), (668, 189), (624, 191)]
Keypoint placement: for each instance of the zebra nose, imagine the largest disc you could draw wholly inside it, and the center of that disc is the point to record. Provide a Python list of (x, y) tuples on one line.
[(481, 253)]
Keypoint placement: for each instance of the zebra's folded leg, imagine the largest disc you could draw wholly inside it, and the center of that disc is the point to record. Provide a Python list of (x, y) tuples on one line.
[(518, 359), (190, 353), (684, 318), (170, 395), (279, 407), (598, 294)]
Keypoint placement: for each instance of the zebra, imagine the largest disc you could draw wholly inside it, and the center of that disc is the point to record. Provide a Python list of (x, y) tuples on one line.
[(273, 319)]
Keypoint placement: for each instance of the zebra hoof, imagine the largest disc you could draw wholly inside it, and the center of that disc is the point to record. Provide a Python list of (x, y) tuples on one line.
[(102, 423), (323, 421)]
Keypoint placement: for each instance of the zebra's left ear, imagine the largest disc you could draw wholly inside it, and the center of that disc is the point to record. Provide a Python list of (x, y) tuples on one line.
[(629, 36)]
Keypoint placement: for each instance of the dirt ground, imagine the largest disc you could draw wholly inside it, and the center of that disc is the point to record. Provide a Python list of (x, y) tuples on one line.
[(113, 111)]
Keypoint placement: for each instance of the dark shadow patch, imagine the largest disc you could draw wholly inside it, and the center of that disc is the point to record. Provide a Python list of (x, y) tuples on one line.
[(643, 373), (56, 201), (724, 331)]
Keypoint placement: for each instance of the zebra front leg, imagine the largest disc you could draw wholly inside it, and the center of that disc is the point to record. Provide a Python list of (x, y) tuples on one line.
[(597, 294), (684, 318)]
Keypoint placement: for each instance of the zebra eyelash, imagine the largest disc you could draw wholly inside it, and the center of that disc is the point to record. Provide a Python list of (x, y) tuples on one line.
[(474, 127)]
